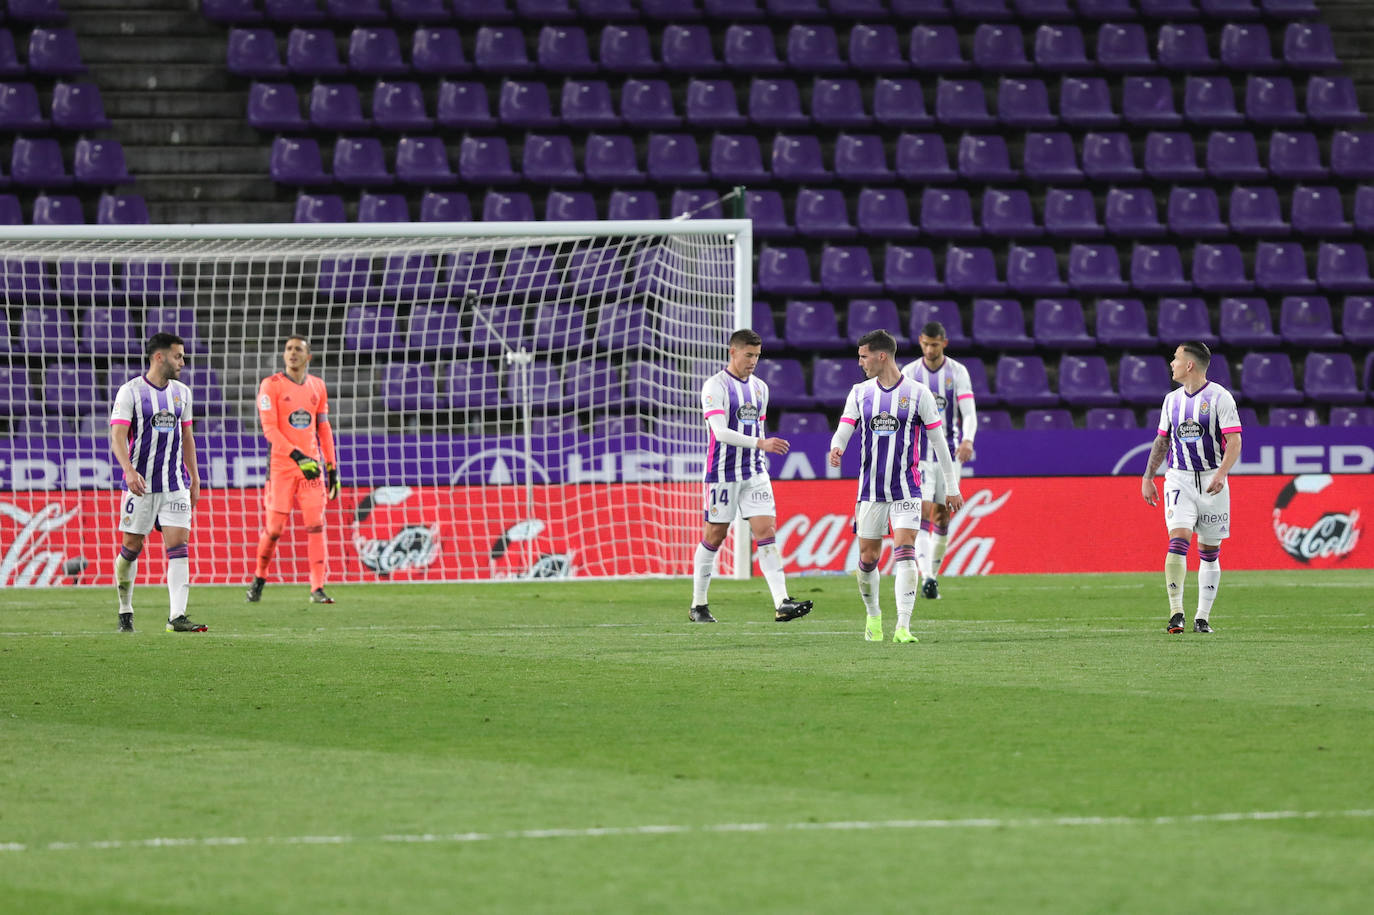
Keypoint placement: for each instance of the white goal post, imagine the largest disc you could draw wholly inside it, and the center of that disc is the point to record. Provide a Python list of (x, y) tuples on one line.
[(509, 399)]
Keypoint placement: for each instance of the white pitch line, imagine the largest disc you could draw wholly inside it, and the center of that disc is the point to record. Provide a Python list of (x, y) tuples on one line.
[(596, 832)]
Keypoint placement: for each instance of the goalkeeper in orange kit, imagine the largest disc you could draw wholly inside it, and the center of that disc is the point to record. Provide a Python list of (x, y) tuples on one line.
[(294, 409)]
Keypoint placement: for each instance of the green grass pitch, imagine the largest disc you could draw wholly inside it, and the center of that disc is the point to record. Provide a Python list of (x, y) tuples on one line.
[(580, 747)]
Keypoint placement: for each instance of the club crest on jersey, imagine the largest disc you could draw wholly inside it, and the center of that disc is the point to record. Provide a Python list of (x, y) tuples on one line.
[(1205, 408), (164, 421), (299, 419), (747, 413), (940, 401), (883, 424), (902, 402), (1190, 430)]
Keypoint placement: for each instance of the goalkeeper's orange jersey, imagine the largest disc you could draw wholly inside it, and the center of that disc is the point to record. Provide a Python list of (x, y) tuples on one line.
[(295, 416)]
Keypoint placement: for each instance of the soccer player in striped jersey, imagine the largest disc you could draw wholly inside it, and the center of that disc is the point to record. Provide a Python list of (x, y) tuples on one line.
[(150, 435), (735, 406), (1199, 434), (949, 382), (890, 412), (294, 409)]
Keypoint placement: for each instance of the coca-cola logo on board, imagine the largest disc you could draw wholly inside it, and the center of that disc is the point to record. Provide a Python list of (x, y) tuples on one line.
[(1313, 523)]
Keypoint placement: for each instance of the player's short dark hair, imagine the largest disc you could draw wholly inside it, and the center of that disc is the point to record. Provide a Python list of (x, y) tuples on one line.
[(934, 330), (301, 337), (879, 340), (745, 337), (161, 341), (1199, 351)]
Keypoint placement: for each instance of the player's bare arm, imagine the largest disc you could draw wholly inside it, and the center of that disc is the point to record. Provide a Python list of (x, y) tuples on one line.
[(1228, 460), (119, 444), (1158, 451)]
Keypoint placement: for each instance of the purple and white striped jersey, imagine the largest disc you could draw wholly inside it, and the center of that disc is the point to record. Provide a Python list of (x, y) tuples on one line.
[(1196, 423), (156, 418), (745, 407), (889, 422), (951, 386)]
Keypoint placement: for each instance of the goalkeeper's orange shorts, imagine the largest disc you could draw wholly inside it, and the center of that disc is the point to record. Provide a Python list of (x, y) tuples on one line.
[(287, 490)]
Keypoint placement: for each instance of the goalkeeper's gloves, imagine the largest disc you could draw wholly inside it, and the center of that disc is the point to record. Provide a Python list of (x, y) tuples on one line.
[(308, 465), (331, 489)]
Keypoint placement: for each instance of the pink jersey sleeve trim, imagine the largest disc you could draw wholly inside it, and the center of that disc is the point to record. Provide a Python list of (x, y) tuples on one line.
[(185, 424), (846, 419), (1162, 431), (935, 425), (1229, 429), (715, 413), (119, 422), (965, 396)]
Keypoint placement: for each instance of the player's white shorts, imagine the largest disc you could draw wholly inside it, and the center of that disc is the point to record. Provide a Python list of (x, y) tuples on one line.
[(871, 519), (169, 509), (746, 498), (933, 487), (1187, 504)]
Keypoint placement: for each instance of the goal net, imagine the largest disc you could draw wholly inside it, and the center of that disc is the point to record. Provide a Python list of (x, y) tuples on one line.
[(508, 400)]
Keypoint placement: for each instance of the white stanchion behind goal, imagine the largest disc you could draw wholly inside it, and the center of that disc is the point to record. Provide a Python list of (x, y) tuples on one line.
[(509, 400)]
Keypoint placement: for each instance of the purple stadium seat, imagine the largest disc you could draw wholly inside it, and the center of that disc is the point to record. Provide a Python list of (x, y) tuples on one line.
[(10, 64), (775, 103), (294, 12), (1050, 157), (1294, 416), (1282, 267), (673, 158), (336, 106), (797, 157), (848, 270), (1267, 378), (370, 329), (1219, 370), (823, 214), (809, 423), (786, 384), (550, 159), (423, 161), (999, 48), (1272, 101), (1247, 322), (1255, 211), (87, 282), (253, 53), (712, 103), (875, 49), (408, 388), (1183, 47), (485, 160), (766, 327), (838, 103), (1133, 213), (607, 10), (1364, 208), (1122, 47), (1234, 155), (796, 9), (1148, 101), (467, 385), (47, 331), (1211, 100), (1306, 321), (1294, 154), (731, 10), (1229, 9), (920, 9), (26, 282), (1085, 381), (463, 105), (71, 390), (814, 49), (687, 49), (1343, 267), (54, 52), (124, 210), (445, 206), (981, 9), (1108, 418), (433, 328), (313, 52), (1048, 420), (1351, 416), (1158, 269), (1306, 46), (419, 11), (1000, 324), (1008, 214), (1245, 47), (1352, 153), (58, 210), (736, 158), (865, 315), (1171, 156), (610, 159), (625, 49), (271, 106), (1059, 324), (560, 326), (985, 158), (1060, 49), (525, 103), (19, 108), (110, 332), (1220, 268), (1319, 211), (501, 49), (900, 103), (359, 161), (785, 271), (1185, 318), (1023, 382), (438, 51), (1024, 103), (1054, 10), (811, 324), (1072, 213), (861, 158), (961, 103), (1331, 100), (587, 103), (1143, 380), (1086, 102), (356, 11), (38, 163), (1195, 212), (1095, 268), (972, 271), (1034, 270), (376, 52), (924, 158), (1357, 320), (155, 282), (910, 271), (749, 48), (99, 162), (400, 105), (11, 214), (229, 12), (1279, 9), (320, 208), (948, 213), (546, 10), (1108, 156), (648, 103), (564, 49), (345, 279), (943, 311)]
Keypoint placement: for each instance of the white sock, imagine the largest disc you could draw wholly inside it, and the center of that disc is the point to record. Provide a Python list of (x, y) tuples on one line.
[(126, 570), (939, 543), (869, 582), (703, 564), (1175, 571), (906, 578), (770, 563), (925, 546), (178, 585), (1208, 580)]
